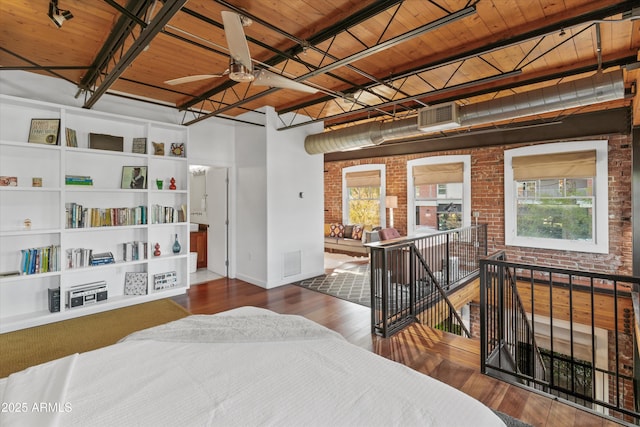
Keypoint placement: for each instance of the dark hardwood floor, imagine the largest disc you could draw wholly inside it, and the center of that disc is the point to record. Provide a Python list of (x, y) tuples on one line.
[(449, 358)]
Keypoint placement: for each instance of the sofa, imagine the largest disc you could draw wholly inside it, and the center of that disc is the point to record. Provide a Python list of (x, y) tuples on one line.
[(343, 238)]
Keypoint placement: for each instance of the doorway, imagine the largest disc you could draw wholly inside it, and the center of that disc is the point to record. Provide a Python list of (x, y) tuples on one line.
[(208, 215)]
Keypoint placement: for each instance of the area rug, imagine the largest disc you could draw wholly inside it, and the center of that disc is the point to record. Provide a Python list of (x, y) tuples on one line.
[(350, 283), (28, 347)]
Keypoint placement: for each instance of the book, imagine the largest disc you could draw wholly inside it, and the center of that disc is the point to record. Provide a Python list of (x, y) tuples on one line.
[(72, 138)]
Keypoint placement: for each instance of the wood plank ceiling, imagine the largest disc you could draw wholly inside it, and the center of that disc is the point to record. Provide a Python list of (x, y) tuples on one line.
[(368, 59)]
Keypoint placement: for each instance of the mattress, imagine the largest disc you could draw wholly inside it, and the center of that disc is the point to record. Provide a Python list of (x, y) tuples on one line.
[(245, 367)]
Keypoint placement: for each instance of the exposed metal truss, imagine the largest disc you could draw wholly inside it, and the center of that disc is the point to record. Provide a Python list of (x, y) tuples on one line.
[(337, 63), (290, 117), (132, 31)]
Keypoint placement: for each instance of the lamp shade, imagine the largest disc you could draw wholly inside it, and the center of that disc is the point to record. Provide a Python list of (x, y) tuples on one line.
[(391, 202)]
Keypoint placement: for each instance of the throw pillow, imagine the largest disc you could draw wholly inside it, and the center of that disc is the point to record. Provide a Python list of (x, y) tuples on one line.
[(357, 232), (336, 230), (327, 229), (348, 230)]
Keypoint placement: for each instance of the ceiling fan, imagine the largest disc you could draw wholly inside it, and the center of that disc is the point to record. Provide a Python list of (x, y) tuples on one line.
[(240, 64)]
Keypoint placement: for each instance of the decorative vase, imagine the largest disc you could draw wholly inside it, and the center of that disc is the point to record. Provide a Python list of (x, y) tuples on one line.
[(159, 183), (157, 251), (172, 186), (176, 246)]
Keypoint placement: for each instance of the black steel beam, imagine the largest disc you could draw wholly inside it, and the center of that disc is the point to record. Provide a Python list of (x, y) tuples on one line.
[(155, 26), (116, 38)]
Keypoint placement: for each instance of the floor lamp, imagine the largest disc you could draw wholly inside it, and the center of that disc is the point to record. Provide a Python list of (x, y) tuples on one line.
[(392, 203)]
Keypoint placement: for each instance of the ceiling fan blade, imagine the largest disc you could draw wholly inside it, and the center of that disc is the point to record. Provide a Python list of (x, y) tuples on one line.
[(268, 78), (236, 40), (189, 79)]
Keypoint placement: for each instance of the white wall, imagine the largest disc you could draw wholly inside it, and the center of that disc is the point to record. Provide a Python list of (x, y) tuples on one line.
[(295, 204), (251, 205)]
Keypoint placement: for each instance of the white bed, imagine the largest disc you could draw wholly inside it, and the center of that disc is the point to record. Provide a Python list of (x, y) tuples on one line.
[(244, 367)]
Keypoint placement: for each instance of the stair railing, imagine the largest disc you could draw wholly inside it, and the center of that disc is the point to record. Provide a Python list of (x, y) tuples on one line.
[(411, 274)]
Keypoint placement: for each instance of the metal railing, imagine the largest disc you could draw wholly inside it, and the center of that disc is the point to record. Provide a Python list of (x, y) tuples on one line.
[(411, 277), (563, 332)]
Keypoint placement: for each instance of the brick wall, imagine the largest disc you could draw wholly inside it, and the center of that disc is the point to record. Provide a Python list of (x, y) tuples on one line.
[(487, 197)]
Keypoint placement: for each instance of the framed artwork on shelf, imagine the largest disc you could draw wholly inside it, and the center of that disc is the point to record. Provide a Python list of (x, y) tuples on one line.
[(139, 146), (177, 149), (44, 131), (134, 177), (158, 148), (135, 283), (8, 181)]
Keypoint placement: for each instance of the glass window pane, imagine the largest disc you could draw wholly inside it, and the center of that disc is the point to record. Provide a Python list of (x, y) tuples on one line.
[(427, 217), (557, 218), (364, 205), (439, 206), (551, 188), (365, 212), (578, 187)]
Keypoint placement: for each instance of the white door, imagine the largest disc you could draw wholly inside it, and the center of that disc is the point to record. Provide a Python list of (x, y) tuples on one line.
[(217, 212)]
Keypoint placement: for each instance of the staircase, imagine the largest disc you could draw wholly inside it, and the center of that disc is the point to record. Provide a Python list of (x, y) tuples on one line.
[(412, 278)]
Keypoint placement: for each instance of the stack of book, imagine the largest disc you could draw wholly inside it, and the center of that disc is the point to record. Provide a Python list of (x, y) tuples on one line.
[(133, 251), (40, 260), (78, 257), (78, 216), (77, 180), (102, 258), (168, 214)]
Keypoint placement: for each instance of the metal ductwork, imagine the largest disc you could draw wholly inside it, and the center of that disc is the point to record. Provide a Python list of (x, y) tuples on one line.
[(601, 87), (578, 93)]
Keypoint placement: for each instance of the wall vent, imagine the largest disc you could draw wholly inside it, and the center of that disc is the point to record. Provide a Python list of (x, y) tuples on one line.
[(292, 264), (445, 116)]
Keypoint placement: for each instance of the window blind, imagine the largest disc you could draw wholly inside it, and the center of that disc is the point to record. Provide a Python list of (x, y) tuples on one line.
[(438, 174), (577, 164), (363, 179)]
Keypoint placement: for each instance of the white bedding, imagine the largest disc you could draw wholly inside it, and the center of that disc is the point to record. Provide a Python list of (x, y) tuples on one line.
[(245, 367)]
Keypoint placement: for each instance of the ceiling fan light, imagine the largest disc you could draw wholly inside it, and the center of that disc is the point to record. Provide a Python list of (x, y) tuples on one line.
[(240, 73)]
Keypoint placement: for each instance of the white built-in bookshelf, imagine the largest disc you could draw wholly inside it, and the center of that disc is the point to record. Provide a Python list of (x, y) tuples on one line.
[(24, 298)]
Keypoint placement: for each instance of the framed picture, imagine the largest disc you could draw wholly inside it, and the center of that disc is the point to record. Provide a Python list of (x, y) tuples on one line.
[(135, 283), (134, 177), (44, 131), (139, 146), (8, 181), (158, 148), (177, 149)]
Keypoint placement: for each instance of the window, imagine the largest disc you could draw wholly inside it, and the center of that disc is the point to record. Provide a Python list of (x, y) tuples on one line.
[(556, 196), (362, 195), (439, 193)]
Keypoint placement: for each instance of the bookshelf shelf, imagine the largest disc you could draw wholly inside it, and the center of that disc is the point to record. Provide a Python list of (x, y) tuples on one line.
[(24, 298)]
